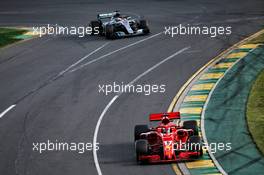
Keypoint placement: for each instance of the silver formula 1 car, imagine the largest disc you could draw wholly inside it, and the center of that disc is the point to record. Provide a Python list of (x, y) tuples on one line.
[(118, 25)]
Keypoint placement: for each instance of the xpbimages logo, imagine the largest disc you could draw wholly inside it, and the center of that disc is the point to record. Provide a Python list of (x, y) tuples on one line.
[(146, 89), (56, 29), (212, 31), (56, 145), (213, 147)]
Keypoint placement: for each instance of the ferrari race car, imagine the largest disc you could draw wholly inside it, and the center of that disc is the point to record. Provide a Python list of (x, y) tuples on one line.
[(168, 141), (117, 25)]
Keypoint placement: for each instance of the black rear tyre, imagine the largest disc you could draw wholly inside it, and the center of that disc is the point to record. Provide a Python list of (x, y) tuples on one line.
[(140, 129), (195, 145), (109, 32), (191, 124), (96, 27), (144, 25), (141, 149), (141, 146)]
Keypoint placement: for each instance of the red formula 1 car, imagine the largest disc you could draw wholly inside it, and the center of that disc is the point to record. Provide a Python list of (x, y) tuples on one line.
[(168, 141)]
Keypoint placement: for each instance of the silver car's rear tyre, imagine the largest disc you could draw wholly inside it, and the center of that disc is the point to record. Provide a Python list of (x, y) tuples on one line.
[(144, 25), (96, 27), (109, 31)]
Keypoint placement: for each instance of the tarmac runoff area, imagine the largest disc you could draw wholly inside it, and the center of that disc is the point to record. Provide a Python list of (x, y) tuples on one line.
[(217, 99)]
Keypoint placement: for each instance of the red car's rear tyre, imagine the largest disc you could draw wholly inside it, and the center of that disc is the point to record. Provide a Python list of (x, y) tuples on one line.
[(195, 145), (140, 129), (142, 148), (191, 124)]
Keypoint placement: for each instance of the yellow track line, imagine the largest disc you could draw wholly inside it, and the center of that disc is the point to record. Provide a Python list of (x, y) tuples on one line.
[(223, 65), (237, 55), (197, 110), (176, 169), (200, 164), (207, 76), (205, 86), (191, 98), (249, 46)]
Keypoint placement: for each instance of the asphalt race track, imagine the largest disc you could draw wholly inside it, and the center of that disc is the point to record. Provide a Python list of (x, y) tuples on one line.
[(67, 107)]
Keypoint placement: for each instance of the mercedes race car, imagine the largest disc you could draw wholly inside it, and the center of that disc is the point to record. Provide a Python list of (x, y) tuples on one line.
[(117, 25), (168, 141)]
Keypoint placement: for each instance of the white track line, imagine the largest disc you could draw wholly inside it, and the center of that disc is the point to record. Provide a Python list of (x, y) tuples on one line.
[(82, 59), (110, 53), (7, 110), (96, 162)]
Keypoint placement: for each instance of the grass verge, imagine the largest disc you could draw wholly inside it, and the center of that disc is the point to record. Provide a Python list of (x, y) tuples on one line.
[(7, 35), (255, 112)]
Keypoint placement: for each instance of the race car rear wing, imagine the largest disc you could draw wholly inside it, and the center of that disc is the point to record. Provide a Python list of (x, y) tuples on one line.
[(106, 15), (159, 116)]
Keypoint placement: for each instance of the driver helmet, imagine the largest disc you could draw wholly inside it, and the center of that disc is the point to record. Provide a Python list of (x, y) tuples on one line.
[(117, 14), (165, 121)]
